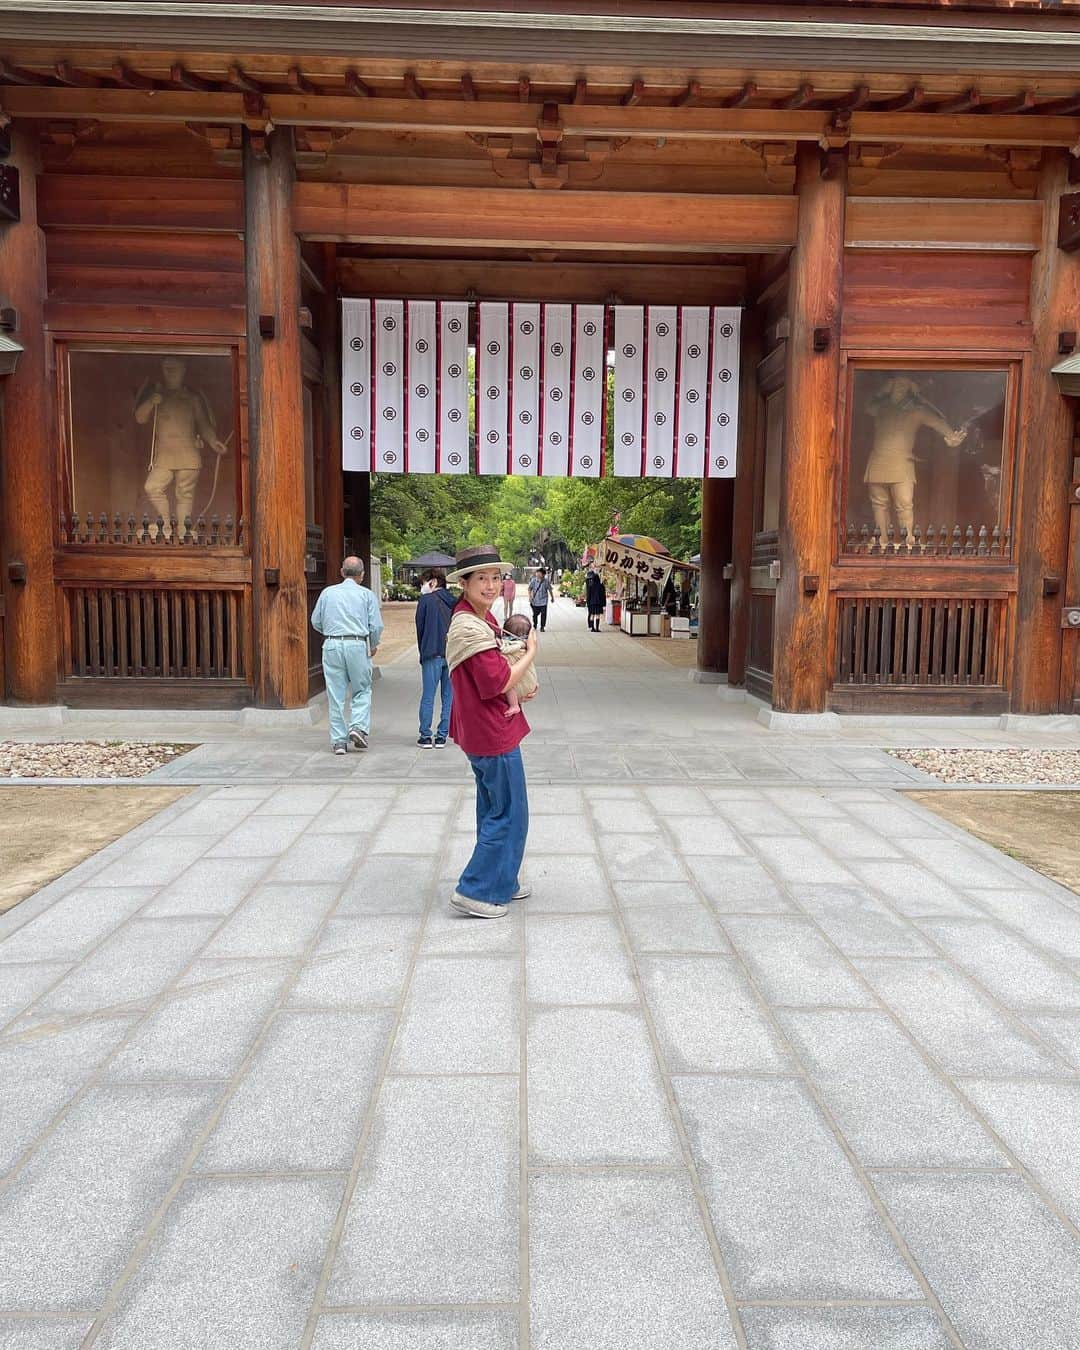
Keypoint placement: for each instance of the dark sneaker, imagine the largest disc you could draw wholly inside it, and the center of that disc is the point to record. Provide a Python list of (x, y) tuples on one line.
[(425, 742), (440, 742), (477, 909), (359, 739), (339, 747)]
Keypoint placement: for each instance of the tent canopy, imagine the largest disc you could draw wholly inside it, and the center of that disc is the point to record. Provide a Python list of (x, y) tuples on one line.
[(432, 559)]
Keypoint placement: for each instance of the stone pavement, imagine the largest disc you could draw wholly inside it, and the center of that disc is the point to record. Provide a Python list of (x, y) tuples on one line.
[(770, 1059)]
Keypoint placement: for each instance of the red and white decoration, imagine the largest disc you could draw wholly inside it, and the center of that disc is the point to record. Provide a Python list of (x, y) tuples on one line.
[(541, 381), (676, 391), (405, 386)]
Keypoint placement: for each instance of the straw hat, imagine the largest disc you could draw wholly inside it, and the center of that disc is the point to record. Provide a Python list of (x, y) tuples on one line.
[(468, 560)]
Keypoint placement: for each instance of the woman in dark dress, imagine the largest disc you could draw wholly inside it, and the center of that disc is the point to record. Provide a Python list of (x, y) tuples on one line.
[(595, 599)]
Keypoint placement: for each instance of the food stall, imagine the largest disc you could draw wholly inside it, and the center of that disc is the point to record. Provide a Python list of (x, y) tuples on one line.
[(638, 573)]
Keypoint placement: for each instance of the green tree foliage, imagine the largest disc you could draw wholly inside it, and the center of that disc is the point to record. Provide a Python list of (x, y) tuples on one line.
[(412, 514)]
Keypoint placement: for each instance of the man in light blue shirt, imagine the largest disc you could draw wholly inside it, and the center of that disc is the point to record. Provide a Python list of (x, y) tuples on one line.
[(348, 617)]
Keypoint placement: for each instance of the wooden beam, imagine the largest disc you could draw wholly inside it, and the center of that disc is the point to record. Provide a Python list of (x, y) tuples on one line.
[(355, 85), (298, 81), (581, 90), (27, 466), (689, 95), (633, 96), (16, 75), (799, 99), (902, 102), (501, 217), (562, 281), (970, 98), (1045, 462), (912, 222), (186, 79), (88, 201), (238, 79), (743, 97), (1005, 107), (742, 535), (801, 625), (413, 87), (524, 89), (468, 89), (275, 426), (513, 118), (67, 74), (130, 79)]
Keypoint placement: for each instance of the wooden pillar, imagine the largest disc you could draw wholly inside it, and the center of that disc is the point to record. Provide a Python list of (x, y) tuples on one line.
[(800, 635), (26, 453), (358, 515), (330, 348), (742, 529), (1042, 525), (714, 605), (275, 423)]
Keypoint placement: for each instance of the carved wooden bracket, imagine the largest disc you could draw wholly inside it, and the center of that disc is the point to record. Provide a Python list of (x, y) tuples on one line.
[(870, 155), (777, 157), (548, 160)]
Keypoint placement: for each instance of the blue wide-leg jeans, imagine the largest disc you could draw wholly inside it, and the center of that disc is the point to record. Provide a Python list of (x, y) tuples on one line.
[(347, 670), (435, 674), (502, 824)]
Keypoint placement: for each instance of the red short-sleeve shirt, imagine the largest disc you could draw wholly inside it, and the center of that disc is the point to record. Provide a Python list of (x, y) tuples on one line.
[(478, 721)]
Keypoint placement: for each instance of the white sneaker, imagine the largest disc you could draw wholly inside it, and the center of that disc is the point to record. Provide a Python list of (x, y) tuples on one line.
[(478, 909), (522, 893)]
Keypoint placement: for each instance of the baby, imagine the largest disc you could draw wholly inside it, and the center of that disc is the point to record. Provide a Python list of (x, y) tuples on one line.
[(518, 626)]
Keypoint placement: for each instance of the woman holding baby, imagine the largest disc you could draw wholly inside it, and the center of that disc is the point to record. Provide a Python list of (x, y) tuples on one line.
[(487, 722)]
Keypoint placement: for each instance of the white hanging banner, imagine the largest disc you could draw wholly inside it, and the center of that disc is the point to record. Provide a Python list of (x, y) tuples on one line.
[(420, 386), (692, 392), (356, 385), (388, 412), (555, 430), (492, 367), (661, 324), (723, 421), (452, 450), (629, 388), (525, 389), (587, 452)]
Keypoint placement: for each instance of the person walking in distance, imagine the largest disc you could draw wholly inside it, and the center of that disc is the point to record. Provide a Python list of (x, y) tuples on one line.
[(595, 598), (509, 595), (491, 739), (432, 621), (348, 617), (539, 596)]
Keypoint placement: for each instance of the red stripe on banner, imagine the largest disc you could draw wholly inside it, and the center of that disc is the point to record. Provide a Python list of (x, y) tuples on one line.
[(570, 423), (405, 359), (510, 388), (677, 410), (708, 395), (541, 387), (477, 361), (373, 343), (644, 390), (438, 386)]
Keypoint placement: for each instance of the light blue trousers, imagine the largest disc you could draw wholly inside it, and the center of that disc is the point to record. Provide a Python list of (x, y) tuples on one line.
[(347, 668)]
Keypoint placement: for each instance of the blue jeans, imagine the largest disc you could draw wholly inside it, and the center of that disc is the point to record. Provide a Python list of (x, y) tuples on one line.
[(502, 823), (347, 668), (435, 674)]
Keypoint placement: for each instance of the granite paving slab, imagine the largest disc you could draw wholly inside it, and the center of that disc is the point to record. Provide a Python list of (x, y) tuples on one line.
[(908, 1328)]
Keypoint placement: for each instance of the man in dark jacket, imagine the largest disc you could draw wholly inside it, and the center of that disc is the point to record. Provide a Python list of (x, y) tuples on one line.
[(432, 621)]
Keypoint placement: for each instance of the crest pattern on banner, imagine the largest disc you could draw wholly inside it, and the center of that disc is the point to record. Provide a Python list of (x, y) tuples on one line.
[(541, 376)]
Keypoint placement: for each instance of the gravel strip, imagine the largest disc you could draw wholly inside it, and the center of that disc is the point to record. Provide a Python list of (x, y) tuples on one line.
[(996, 766), (85, 759)]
